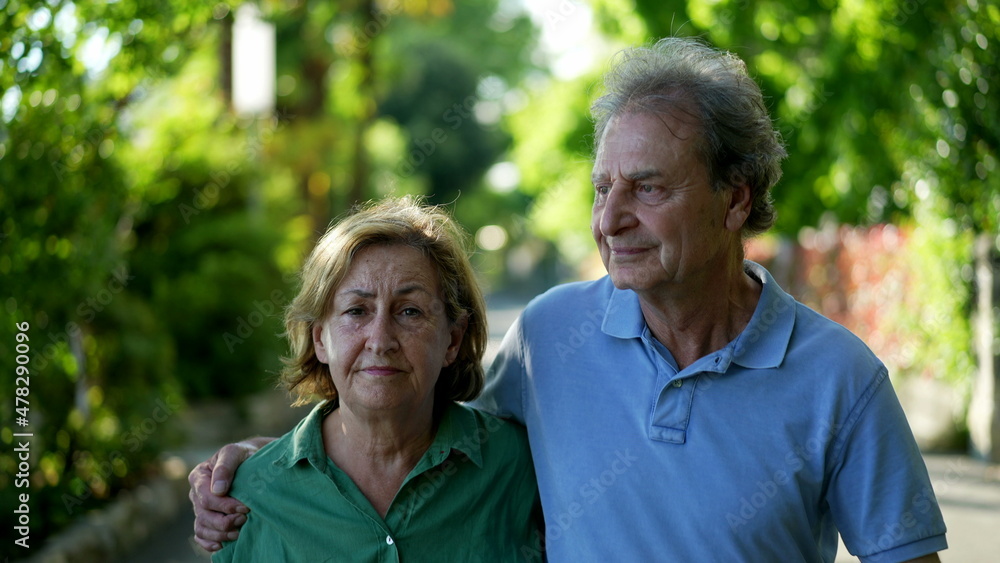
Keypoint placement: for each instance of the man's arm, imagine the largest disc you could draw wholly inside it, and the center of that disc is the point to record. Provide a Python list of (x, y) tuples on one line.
[(218, 517)]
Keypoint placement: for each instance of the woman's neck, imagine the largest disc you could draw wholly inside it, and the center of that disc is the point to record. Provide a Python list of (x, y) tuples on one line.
[(376, 450)]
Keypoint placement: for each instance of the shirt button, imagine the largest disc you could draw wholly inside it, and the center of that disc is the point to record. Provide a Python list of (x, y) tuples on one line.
[(388, 540), (678, 382)]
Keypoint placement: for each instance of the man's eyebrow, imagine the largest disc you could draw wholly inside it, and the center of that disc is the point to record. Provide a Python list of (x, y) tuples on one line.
[(644, 174), (633, 177)]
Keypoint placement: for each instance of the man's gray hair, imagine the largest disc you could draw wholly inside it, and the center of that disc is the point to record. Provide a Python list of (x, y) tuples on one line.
[(738, 144)]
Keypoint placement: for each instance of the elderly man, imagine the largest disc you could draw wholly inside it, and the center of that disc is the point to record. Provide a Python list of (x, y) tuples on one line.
[(684, 407)]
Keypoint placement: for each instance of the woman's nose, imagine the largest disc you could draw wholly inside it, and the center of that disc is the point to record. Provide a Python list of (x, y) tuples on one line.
[(381, 337)]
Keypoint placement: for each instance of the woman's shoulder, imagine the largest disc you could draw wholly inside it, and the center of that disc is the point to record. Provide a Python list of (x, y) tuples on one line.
[(264, 470), (495, 436)]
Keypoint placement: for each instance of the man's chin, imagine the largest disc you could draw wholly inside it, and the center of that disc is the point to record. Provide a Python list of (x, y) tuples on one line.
[(622, 280)]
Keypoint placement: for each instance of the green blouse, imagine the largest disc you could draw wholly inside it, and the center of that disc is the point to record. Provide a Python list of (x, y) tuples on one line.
[(471, 497)]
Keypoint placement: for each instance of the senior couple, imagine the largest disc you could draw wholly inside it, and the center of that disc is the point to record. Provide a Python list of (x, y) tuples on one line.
[(708, 416)]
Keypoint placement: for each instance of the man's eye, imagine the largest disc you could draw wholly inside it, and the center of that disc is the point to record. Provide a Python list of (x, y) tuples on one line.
[(602, 190), (647, 189)]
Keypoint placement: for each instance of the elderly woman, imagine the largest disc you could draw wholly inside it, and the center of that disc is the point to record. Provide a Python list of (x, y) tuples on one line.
[(389, 330)]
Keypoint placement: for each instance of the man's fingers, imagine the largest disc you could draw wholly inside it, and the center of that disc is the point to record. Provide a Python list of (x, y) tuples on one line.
[(208, 528), (226, 461), (203, 499), (207, 545), (217, 517)]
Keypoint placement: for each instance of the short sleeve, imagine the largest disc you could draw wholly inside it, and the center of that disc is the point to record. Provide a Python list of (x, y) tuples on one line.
[(880, 494), (503, 393)]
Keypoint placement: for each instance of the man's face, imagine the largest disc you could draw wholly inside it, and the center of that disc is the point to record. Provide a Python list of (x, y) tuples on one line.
[(657, 222)]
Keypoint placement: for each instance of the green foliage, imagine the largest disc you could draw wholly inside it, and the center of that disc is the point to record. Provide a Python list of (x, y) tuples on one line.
[(148, 235), (937, 331), (435, 102), (553, 153), (127, 303)]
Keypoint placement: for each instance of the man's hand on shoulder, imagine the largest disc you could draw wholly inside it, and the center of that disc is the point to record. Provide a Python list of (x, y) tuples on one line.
[(218, 516)]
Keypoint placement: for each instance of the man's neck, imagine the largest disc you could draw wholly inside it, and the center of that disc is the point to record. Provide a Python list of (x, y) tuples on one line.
[(695, 322)]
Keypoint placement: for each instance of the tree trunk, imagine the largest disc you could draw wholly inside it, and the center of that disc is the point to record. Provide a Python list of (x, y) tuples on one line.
[(984, 409), (358, 181)]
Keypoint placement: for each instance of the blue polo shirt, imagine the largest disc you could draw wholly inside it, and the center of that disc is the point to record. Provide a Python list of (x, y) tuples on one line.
[(760, 451)]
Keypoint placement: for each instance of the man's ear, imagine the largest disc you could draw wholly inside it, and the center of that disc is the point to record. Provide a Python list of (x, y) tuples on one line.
[(317, 336), (739, 207)]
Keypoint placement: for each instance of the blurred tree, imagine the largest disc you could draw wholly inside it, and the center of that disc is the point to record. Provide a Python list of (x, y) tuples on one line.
[(103, 356), (147, 234)]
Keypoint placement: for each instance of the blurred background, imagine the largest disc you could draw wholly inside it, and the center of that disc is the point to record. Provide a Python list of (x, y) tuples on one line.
[(166, 166)]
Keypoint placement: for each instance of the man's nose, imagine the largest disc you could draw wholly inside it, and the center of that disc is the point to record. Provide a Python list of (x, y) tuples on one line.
[(617, 212)]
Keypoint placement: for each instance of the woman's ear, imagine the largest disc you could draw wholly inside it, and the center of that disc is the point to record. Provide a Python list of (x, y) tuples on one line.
[(317, 336), (458, 329)]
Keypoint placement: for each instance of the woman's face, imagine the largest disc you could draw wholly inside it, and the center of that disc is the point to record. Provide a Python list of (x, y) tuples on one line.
[(387, 337)]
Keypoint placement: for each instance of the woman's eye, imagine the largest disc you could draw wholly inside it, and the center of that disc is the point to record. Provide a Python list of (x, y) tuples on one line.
[(354, 311), (411, 312)]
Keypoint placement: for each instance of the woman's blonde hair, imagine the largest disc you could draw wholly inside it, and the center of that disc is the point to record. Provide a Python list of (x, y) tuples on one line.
[(405, 221)]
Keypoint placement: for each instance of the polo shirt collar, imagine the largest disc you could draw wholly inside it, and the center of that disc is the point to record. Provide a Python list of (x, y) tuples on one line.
[(764, 341), (762, 344), (623, 316), (458, 430)]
